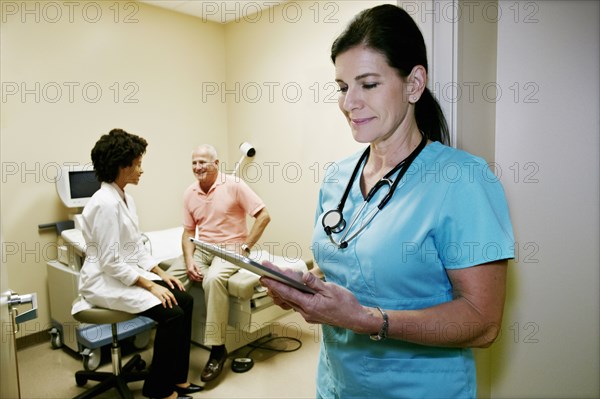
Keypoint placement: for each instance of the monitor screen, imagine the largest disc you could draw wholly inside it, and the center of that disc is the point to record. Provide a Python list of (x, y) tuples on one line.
[(83, 184), (76, 185)]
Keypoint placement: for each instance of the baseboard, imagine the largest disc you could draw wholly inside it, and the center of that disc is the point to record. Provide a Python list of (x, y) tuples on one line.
[(33, 339)]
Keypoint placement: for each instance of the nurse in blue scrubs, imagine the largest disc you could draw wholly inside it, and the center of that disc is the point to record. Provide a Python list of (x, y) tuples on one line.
[(411, 238)]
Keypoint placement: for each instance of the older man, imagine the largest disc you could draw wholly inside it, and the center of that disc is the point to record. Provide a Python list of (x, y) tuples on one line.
[(215, 209)]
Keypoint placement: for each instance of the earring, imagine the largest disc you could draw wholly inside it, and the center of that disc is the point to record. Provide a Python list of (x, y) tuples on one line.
[(413, 99)]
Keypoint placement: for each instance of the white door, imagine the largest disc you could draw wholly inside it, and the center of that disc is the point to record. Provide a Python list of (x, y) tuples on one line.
[(9, 373)]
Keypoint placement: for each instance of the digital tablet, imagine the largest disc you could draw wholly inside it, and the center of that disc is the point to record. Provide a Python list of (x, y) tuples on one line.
[(250, 265)]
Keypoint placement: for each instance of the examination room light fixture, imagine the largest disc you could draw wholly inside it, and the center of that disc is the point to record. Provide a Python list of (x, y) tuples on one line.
[(247, 150)]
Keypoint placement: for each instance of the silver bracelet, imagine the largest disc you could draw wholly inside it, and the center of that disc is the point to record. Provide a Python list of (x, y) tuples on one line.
[(382, 334)]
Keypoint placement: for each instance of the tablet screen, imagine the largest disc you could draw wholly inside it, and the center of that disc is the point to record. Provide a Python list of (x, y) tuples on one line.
[(250, 265)]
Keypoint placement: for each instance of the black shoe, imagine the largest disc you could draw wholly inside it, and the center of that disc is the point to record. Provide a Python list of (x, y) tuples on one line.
[(193, 388), (213, 368)]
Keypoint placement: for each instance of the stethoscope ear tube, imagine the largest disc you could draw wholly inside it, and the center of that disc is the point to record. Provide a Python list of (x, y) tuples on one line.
[(333, 220), (408, 162)]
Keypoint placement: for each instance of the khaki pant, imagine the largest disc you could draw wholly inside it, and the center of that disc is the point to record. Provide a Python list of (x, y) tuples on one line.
[(216, 273)]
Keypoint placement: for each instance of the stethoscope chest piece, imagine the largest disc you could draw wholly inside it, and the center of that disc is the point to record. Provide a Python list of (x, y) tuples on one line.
[(333, 222)]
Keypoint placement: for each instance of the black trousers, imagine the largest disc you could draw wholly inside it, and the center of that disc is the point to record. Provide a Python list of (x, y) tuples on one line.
[(171, 357)]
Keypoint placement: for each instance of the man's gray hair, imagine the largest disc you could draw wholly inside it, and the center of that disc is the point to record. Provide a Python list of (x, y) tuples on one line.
[(212, 151)]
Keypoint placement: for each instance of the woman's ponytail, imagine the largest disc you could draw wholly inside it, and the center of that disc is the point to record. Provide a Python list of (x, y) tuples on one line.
[(430, 118)]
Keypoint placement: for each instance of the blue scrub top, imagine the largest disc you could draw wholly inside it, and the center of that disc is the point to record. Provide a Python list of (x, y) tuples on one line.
[(448, 212)]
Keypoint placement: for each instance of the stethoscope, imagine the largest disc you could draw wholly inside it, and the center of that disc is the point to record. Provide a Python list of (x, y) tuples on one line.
[(333, 220)]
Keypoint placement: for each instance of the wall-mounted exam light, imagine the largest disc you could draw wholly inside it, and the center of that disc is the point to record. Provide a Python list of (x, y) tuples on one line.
[(247, 150)]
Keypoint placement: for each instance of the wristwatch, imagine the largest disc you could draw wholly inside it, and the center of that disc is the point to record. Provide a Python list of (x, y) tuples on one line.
[(245, 248), (382, 334)]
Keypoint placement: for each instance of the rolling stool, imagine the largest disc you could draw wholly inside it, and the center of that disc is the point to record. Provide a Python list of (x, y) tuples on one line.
[(120, 376)]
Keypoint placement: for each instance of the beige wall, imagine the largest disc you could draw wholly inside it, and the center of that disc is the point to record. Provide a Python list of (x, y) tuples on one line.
[(547, 144), (149, 65), (294, 122), (475, 115)]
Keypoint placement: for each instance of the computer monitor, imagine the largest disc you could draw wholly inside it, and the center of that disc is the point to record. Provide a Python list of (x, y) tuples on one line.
[(76, 185)]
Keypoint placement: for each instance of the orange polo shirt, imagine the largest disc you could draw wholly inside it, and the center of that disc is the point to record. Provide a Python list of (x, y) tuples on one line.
[(220, 214)]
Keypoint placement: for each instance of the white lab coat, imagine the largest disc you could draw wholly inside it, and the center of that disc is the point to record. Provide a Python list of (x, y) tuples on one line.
[(115, 255)]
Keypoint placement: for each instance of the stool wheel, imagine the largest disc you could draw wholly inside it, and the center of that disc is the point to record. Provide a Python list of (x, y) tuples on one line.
[(55, 338), (80, 380), (141, 365), (91, 359)]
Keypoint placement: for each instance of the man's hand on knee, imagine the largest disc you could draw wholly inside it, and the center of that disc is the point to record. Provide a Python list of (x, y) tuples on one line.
[(194, 273)]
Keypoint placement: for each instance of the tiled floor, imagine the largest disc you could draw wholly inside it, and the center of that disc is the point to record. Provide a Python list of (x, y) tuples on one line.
[(48, 373)]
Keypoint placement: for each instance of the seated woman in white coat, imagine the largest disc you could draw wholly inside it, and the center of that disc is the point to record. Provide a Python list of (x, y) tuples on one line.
[(120, 274)]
